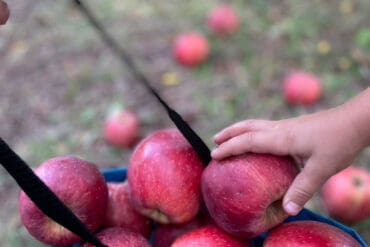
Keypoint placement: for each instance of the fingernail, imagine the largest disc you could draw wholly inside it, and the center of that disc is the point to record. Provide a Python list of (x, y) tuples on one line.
[(292, 208), (215, 137), (214, 152)]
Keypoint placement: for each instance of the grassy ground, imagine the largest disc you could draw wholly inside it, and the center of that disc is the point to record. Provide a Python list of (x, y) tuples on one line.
[(58, 81)]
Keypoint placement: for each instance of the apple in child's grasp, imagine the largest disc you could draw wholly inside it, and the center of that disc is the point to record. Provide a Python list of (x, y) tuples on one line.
[(302, 88), (122, 129), (308, 234), (346, 195), (120, 237), (244, 193), (164, 177), (223, 20), (120, 212), (209, 236), (80, 186), (190, 49), (4, 12), (165, 235)]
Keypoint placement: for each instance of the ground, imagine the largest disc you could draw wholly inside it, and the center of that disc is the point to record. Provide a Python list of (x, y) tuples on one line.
[(58, 80)]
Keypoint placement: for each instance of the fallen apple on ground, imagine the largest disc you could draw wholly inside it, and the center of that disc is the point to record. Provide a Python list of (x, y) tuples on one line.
[(223, 20), (120, 237), (122, 128), (209, 236), (308, 234), (82, 188), (120, 212), (190, 49), (244, 193), (346, 195), (164, 176), (302, 88)]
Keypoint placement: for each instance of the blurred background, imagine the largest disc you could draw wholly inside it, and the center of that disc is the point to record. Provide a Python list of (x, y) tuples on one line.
[(59, 82)]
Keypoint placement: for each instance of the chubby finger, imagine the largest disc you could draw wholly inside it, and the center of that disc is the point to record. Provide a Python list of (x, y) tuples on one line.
[(304, 186), (240, 128), (254, 141)]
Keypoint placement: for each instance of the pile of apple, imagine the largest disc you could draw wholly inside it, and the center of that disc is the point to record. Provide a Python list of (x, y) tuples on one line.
[(170, 195)]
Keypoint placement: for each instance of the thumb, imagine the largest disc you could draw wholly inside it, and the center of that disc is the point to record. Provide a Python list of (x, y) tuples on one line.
[(306, 183)]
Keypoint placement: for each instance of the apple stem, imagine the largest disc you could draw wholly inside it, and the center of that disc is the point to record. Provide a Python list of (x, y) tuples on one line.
[(195, 141), (41, 195)]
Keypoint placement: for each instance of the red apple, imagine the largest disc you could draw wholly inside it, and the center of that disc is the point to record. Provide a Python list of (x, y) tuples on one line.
[(302, 88), (120, 237), (165, 235), (209, 236), (164, 177), (120, 213), (309, 233), (122, 128), (191, 49), (82, 188), (223, 20), (4, 12), (346, 195), (244, 193)]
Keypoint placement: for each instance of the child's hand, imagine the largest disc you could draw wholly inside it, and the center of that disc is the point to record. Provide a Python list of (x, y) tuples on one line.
[(323, 143), (4, 12)]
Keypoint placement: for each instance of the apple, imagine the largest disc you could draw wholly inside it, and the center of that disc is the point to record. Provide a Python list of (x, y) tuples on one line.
[(190, 49), (165, 234), (308, 233), (302, 88), (164, 177), (4, 12), (120, 237), (81, 187), (120, 213), (244, 193), (209, 236), (223, 20), (346, 195), (122, 128)]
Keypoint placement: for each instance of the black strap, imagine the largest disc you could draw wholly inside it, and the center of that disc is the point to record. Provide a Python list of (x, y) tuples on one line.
[(196, 142), (42, 196)]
